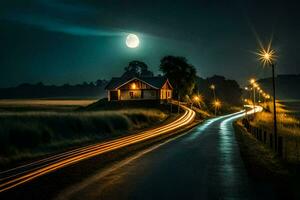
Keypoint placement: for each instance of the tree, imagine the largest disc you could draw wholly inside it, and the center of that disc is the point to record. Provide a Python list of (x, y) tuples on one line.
[(137, 68), (228, 91), (101, 82), (180, 73)]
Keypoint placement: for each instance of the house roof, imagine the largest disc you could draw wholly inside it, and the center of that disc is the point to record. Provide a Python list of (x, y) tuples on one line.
[(155, 82)]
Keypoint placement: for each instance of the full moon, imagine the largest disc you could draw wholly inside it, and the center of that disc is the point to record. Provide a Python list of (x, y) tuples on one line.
[(132, 41)]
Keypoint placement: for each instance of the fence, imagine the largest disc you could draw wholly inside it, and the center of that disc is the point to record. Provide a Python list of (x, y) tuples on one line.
[(288, 147)]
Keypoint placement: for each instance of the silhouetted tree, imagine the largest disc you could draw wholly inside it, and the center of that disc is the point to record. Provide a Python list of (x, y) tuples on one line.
[(101, 82), (137, 68), (228, 91), (181, 74), (40, 90), (91, 84)]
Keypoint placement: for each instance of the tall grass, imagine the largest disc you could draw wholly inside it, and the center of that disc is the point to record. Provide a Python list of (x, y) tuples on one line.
[(287, 124), (23, 133)]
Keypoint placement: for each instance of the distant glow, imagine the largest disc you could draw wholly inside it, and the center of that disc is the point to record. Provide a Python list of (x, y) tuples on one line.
[(217, 104), (196, 98), (132, 41), (252, 81), (212, 87)]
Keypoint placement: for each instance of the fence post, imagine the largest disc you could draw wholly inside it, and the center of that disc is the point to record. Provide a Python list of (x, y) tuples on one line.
[(271, 141), (265, 137), (280, 145)]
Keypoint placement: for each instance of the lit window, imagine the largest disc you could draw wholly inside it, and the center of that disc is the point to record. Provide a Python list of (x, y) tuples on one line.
[(133, 86)]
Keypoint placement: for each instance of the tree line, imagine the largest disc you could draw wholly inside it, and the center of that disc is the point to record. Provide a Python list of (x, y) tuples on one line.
[(182, 75), (40, 90)]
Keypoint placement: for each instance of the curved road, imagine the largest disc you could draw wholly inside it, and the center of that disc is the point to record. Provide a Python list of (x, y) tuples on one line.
[(204, 164), (12, 178)]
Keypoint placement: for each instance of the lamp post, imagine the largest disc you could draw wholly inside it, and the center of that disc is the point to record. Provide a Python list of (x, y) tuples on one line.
[(267, 57), (195, 99), (217, 105), (254, 85), (274, 104), (213, 88)]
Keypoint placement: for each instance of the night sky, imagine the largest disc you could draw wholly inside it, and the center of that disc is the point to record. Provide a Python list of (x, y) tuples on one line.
[(60, 42)]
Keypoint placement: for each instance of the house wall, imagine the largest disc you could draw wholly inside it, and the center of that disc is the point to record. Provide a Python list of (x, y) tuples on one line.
[(165, 94), (151, 94), (130, 94), (135, 90), (166, 91)]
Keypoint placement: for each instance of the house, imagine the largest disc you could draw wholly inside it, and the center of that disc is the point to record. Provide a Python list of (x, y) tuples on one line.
[(139, 88)]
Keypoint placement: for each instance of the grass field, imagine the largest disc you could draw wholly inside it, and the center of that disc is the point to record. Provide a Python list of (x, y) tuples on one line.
[(31, 128), (288, 123), (288, 126), (43, 104)]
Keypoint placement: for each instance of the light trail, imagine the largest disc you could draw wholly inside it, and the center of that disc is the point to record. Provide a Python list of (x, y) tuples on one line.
[(22, 174)]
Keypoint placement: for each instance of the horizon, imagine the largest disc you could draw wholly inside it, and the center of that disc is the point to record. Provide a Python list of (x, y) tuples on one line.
[(94, 81)]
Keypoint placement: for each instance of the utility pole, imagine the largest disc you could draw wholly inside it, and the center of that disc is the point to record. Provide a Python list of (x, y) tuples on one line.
[(213, 87), (274, 105), (254, 97)]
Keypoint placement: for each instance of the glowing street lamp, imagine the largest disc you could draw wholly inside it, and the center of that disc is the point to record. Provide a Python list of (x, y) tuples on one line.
[(254, 84), (213, 88), (196, 99), (216, 105), (267, 57)]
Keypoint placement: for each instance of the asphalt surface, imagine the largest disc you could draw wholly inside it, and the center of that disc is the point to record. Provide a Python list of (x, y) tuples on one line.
[(203, 164)]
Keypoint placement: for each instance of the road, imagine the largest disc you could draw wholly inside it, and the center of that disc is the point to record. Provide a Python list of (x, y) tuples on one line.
[(204, 163)]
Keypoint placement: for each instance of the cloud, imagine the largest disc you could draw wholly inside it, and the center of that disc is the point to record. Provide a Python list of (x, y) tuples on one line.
[(61, 17), (51, 24)]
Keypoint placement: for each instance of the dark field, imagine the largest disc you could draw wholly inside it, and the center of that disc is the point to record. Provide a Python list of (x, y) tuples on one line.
[(43, 104), (33, 128), (293, 107)]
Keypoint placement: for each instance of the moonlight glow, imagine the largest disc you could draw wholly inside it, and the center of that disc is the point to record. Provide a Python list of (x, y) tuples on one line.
[(132, 41)]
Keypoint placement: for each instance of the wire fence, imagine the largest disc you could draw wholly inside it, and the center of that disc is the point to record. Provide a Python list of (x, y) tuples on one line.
[(288, 146)]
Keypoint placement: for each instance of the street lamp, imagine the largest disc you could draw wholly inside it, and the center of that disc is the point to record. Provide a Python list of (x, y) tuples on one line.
[(253, 82), (213, 88), (194, 99), (198, 99), (267, 57), (217, 105), (259, 94)]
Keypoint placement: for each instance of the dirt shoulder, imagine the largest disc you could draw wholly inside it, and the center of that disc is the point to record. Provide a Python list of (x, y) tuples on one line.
[(265, 168)]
